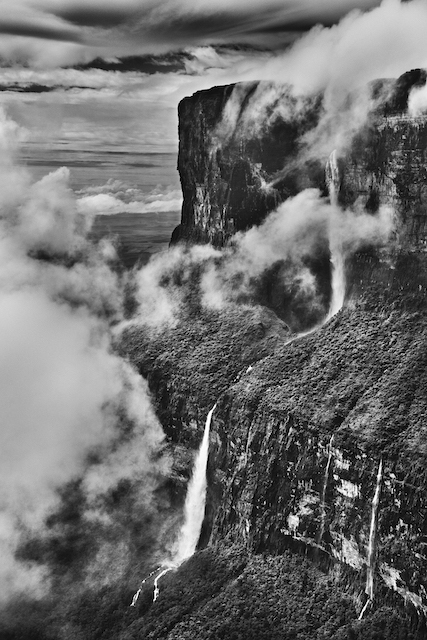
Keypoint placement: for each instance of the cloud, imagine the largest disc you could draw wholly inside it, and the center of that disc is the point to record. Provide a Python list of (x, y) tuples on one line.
[(300, 229), (160, 301), (383, 42), (332, 60), (24, 19), (64, 391), (111, 199), (337, 62), (105, 28), (417, 102), (106, 204), (228, 21)]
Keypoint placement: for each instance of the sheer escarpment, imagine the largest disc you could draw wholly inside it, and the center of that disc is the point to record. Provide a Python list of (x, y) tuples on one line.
[(318, 443), (245, 148)]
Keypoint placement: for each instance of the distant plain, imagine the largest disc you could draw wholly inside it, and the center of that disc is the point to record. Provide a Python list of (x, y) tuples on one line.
[(133, 186)]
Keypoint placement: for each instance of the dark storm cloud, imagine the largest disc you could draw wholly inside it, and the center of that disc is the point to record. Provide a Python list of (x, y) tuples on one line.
[(103, 18), (164, 63), (194, 23), (117, 28), (36, 30)]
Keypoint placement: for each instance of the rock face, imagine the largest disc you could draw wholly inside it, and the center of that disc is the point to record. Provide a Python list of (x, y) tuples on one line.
[(321, 447), (298, 441), (240, 156), (227, 160)]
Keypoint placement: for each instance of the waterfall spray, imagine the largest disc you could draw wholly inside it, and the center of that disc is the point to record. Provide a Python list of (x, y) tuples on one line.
[(332, 176), (369, 589), (194, 512), (323, 497)]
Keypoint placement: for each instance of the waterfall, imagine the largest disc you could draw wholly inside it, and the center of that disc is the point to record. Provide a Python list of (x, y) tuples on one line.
[(369, 589), (156, 582), (194, 512), (195, 501), (332, 176), (137, 594), (338, 281), (323, 497)]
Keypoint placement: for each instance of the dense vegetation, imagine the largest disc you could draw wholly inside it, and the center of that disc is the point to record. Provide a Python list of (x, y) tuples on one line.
[(189, 365), (361, 376), (219, 594)]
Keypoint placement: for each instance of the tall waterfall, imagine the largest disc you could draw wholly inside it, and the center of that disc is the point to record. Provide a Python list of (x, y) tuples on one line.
[(332, 176), (195, 501), (194, 512), (369, 589)]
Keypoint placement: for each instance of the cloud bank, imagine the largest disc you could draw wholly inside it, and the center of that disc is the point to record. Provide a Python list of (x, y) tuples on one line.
[(65, 393), (299, 229), (132, 26), (117, 197)]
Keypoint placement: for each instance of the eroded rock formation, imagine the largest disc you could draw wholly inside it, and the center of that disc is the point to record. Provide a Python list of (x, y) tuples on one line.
[(240, 155), (358, 382)]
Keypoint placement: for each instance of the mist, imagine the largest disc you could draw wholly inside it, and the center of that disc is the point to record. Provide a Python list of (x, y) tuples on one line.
[(331, 62), (71, 407), (300, 228)]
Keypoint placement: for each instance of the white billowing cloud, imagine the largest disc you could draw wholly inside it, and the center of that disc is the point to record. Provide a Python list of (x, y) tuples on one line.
[(44, 219), (339, 61), (63, 390), (106, 203), (417, 102), (160, 301), (54, 378), (297, 230), (383, 42)]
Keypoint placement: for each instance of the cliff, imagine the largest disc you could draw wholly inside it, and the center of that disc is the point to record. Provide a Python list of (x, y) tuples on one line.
[(226, 159), (319, 446), (315, 525), (241, 153)]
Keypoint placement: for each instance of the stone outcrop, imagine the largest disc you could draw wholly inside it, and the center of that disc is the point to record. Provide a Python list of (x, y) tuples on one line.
[(240, 156), (227, 160)]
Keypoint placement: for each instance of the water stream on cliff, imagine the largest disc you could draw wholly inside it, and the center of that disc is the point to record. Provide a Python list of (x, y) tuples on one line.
[(369, 589), (323, 496), (194, 512), (332, 176)]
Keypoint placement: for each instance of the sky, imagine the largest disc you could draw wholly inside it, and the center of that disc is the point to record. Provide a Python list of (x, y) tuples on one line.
[(48, 32), (152, 55), (107, 75)]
